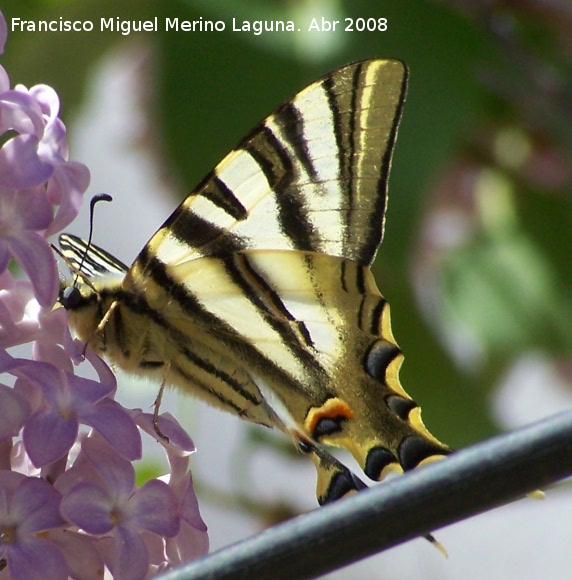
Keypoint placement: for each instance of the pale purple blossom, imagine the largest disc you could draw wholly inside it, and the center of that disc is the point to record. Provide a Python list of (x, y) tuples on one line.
[(110, 505), (67, 401), (40, 189), (192, 540), (14, 414), (23, 213), (28, 506), (69, 504)]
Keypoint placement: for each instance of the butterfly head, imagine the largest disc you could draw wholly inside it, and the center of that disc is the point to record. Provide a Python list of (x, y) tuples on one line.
[(94, 285), (72, 298), (82, 304)]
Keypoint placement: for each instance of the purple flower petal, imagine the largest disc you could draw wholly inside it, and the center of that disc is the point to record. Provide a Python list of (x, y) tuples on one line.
[(113, 422), (20, 165), (37, 559), (14, 410), (35, 506), (66, 188), (42, 374), (29, 391), (4, 80), (47, 349), (117, 473), (170, 427), (82, 557), (154, 508), (188, 544), (81, 471), (189, 506), (9, 482), (89, 507), (63, 390), (21, 113), (3, 33), (49, 102), (131, 560), (105, 374), (18, 311), (35, 256), (54, 143), (48, 436), (86, 392), (32, 209)]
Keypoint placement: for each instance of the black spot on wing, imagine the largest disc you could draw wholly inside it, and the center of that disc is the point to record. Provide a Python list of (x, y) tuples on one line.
[(379, 357), (413, 450), (328, 426), (377, 460), (400, 406), (342, 483)]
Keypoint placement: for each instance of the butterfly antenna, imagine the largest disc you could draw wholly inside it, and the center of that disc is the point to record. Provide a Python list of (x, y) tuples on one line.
[(95, 199)]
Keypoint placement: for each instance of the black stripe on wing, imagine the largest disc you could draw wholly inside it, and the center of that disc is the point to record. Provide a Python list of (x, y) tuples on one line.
[(217, 192), (199, 233), (279, 169), (294, 332)]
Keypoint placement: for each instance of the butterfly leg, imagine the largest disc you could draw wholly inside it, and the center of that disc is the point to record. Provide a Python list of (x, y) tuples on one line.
[(101, 326), (157, 404)]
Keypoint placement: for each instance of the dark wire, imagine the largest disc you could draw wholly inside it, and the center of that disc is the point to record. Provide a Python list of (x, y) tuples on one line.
[(468, 482)]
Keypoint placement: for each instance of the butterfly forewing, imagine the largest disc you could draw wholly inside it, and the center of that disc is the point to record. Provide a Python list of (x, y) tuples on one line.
[(92, 261), (311, 177), (256, 293)]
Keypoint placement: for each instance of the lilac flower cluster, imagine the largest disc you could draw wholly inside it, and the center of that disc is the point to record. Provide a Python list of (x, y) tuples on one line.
[(69, 505)]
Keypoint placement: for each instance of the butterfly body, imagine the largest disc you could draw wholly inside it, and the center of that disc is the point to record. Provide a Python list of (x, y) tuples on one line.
[(256, 294)]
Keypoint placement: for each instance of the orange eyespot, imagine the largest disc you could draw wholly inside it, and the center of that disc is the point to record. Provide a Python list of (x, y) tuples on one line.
[(328, 419)]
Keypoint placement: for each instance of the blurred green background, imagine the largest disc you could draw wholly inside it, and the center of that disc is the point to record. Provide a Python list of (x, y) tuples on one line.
[(476, 260)]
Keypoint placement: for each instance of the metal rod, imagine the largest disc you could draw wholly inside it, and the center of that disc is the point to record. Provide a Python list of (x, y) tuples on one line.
[(471, 481)]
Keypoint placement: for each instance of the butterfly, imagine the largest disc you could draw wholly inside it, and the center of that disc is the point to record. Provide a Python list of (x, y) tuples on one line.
[(256, 294)]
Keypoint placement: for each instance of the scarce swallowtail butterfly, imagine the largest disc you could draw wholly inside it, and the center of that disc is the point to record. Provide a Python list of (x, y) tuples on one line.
[(256, 294)]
